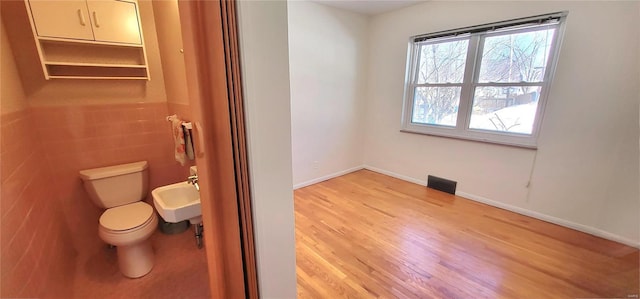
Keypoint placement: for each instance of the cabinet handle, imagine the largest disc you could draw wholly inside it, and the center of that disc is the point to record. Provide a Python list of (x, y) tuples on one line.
[(95, 19), (81, 17)]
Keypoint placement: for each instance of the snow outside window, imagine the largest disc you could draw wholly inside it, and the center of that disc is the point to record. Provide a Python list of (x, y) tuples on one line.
[(486, 83)]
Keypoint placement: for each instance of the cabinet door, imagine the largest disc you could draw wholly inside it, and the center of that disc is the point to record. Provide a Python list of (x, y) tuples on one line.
[(115, 21), (66, 19)]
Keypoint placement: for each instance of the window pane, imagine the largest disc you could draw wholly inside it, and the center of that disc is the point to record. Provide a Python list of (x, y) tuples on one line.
[(442, 62), (505, 109), (436, 105), (519, 57)]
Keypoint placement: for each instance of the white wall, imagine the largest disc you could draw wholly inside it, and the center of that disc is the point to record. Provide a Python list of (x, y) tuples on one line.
[(327, 57), (584, 173), (265, 71)]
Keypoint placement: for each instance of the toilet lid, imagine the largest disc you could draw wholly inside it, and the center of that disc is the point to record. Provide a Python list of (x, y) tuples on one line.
[(126, 217)]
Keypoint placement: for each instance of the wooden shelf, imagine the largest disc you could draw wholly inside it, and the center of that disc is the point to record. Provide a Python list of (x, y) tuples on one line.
[(100, 78), (64, 63), (73, 60), (90, 42)]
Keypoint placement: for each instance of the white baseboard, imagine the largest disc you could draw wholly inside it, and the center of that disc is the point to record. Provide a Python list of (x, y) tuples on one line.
[(327, 177), (395, 175), (555, 220), (544, 217)]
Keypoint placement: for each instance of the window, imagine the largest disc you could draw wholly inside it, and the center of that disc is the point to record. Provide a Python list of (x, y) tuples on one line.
[(486, 83)]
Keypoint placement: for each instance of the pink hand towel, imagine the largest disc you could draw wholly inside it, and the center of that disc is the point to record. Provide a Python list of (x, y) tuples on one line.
[(178, 138)]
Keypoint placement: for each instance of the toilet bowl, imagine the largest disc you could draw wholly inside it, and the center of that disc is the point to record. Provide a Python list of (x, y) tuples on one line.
[(135, 256), (127, 222)]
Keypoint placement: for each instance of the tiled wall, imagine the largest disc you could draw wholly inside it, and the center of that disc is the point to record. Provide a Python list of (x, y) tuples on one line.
[(78, 137), (38, 259)]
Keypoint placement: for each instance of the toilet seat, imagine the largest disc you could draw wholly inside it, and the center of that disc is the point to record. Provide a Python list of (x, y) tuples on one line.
[(123, 219)]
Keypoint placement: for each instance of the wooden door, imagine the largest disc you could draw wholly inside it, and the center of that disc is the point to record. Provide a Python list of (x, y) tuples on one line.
[(211, 61), (115, 21), (65, 19)]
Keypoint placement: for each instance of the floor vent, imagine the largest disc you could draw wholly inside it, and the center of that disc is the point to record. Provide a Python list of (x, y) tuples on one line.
[(441, 184)]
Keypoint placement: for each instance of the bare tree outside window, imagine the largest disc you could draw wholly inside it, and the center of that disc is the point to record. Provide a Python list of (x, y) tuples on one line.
[(440, 63), (518, 58)]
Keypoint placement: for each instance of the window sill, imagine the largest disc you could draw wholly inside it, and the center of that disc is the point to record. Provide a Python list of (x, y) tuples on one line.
[(474, 139)]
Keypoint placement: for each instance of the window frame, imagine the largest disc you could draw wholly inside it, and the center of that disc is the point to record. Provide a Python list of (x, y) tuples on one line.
[(476, 36)]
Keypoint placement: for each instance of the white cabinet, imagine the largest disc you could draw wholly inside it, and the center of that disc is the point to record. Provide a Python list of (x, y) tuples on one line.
[(65, 19), (100, 20), (89, 39), (115, 21)]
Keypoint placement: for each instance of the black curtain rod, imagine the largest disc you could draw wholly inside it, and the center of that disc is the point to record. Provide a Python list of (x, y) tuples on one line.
[(540, 19)]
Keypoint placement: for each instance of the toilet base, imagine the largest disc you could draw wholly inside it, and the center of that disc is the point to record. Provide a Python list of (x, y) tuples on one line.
[(135, 260)]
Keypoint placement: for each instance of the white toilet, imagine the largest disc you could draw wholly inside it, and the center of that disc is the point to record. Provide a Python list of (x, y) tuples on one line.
[(127, 222)]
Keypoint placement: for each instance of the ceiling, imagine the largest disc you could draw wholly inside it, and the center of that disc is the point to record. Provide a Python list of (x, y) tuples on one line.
[(369, 7)]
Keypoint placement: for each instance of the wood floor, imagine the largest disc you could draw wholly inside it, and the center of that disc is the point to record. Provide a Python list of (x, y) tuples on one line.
[(367, 235)]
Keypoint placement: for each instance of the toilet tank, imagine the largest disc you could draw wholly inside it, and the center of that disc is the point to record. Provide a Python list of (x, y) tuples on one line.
[(116, 185)]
